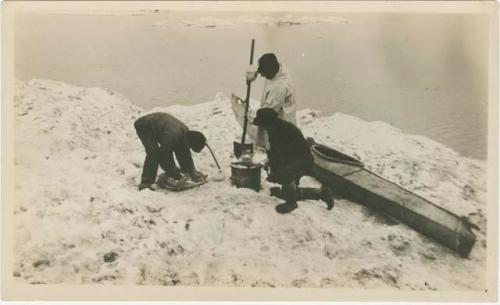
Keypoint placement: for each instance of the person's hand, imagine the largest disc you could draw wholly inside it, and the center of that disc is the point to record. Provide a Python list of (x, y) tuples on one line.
[(278, 175), (265, 164), (197, 176), (251, 74)]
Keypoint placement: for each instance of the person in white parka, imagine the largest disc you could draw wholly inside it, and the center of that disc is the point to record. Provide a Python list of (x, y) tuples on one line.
[(278, 94)]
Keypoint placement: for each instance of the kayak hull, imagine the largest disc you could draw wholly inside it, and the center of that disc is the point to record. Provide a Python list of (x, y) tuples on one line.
[(352, 181)]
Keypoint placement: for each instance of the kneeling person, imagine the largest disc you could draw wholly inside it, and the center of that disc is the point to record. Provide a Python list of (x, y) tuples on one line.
[(290, 158), (163, 136)]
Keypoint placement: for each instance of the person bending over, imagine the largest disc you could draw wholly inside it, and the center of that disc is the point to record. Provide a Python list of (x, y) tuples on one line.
[(163, 136), (290, 158)]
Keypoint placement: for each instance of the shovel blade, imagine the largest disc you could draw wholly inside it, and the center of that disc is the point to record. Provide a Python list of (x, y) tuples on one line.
[(240, 148)]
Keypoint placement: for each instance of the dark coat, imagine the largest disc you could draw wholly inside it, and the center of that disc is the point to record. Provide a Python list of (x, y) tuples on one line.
[(289, 153), (172, 137)]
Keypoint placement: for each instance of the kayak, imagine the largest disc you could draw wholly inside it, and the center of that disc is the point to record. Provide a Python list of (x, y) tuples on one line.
[(349, 178), (238, 106)]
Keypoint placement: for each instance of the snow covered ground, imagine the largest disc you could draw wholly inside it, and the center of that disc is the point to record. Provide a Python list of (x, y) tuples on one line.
[(80, 219)]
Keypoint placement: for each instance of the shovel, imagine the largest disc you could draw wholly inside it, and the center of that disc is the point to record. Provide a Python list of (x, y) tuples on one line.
[(239, 148)]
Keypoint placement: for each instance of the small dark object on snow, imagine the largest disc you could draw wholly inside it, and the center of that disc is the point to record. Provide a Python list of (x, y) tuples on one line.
[(110, 257), (38, 263)]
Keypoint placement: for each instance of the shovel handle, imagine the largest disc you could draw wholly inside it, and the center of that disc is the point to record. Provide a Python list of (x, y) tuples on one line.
[(251, 51), (247, 99), (213, 156)]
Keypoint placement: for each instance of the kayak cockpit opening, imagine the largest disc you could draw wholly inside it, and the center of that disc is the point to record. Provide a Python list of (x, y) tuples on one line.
[(333, 155)]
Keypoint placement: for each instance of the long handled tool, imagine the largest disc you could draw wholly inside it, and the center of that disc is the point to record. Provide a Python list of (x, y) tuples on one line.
[(220, 174), (239, 148), (247, 99)]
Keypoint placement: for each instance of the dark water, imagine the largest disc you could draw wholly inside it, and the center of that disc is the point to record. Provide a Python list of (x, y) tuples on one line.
[(424, 73)]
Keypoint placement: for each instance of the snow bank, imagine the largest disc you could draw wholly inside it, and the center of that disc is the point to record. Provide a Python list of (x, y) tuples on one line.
[(288, 20), (80, 219)]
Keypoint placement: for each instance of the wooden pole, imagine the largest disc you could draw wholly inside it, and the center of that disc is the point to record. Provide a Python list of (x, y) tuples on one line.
[(247, 99)]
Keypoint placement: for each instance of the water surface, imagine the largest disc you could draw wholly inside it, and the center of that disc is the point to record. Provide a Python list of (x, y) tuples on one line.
[(424, 73)]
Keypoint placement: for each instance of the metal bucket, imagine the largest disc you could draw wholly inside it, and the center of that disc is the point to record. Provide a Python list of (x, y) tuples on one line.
[(245, 175)]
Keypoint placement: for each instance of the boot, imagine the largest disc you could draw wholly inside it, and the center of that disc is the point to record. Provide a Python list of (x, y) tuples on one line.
[(327, 196), (286, 207), (289, 194)]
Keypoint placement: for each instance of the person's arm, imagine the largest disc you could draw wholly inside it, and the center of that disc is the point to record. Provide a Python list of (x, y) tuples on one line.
[(272, 160), (293, 147), (299, 148), (277, 160), (271, 165), (251, 74), (167, 162), (275, 99), (183, 155), (185, 160)]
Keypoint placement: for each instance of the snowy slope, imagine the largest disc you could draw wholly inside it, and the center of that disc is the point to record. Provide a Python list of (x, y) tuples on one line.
[(78, 163)]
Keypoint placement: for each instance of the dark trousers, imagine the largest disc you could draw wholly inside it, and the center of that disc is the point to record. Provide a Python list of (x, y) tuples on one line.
[(289, 177), (291, 192), (292, 172), (154, 157)]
